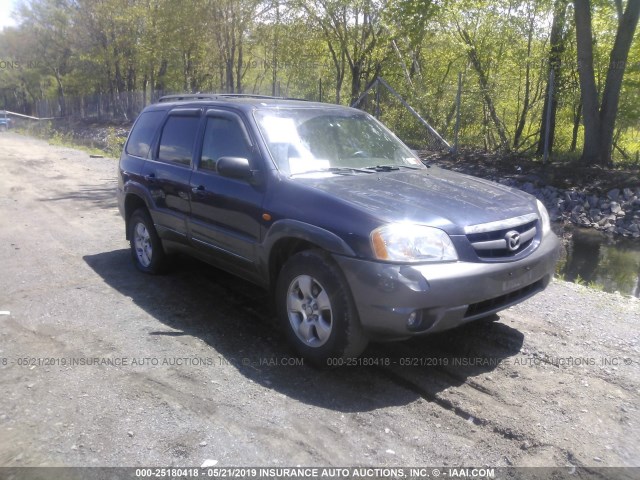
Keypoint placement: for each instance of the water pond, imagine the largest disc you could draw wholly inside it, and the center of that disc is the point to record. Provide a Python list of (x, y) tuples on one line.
[(592, 258)]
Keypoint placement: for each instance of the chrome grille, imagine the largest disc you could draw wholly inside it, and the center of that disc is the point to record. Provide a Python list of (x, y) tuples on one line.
[(503, 239)]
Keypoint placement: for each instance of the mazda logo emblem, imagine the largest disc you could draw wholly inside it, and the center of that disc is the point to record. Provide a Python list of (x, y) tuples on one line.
[(513, 240)]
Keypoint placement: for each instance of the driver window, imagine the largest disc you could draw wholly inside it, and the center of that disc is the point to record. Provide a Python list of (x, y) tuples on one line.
[(222, 138)]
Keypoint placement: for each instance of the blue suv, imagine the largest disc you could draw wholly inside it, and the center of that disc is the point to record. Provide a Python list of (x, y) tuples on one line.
[(355, 238)]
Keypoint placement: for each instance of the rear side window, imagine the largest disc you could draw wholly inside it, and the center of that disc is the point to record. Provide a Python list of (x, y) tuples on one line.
[(178, 138), (143, 132)]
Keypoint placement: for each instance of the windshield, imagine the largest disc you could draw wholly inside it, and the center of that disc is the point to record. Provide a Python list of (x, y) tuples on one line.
[(312, 140)]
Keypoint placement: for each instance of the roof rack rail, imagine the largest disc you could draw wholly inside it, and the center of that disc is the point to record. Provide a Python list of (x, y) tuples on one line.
[(205, 96), (247, 95)]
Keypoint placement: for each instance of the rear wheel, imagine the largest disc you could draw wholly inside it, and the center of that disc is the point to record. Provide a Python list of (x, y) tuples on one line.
[(316, 310), (146, 247)]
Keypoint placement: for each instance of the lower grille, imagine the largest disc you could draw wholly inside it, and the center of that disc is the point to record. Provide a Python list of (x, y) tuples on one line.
[(503, 301)]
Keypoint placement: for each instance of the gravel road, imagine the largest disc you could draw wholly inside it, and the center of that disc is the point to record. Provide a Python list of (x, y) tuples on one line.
[(101, 365)]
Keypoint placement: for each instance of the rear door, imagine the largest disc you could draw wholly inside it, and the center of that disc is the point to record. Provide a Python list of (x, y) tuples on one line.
[(168, 172), (225, 212)]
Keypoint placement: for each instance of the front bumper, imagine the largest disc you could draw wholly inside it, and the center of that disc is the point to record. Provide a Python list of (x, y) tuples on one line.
[(443, 295)]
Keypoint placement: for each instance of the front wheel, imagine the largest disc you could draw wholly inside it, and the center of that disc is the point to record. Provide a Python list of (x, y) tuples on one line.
[(146, 247), (316, 309)]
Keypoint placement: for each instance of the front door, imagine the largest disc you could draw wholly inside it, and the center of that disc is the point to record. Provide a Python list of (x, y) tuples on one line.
[(225, 212)]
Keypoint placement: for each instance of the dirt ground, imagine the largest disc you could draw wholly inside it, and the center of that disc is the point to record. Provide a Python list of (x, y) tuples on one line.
[(101, 365)]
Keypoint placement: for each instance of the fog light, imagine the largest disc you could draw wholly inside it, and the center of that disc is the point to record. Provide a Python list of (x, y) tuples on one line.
[(414, 320)]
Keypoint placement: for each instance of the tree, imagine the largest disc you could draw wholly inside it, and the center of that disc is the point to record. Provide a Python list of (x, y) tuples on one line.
[(483, 80), (352, 31), (50, 23), (557, 45), (599, 118)]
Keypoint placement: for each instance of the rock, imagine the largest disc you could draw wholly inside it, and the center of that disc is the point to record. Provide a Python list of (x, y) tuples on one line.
[(209, 463), (203, 444), (614, 212), (528, 187), (130, 433)]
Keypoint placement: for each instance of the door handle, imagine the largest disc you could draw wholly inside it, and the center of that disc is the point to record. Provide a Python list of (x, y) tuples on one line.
[(199, 190), (151, 177)]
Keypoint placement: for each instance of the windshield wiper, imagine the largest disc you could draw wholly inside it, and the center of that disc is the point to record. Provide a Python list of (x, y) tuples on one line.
[(336, 170), (391, 168)]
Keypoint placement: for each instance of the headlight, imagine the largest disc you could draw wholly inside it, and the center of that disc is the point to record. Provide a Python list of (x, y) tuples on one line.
[(399, 242), (544, 218)]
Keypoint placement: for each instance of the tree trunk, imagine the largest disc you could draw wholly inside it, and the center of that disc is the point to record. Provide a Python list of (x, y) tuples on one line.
[(527, 88), (484, 88), (239, 68), (63, 102), (577, 115), (356, 80), (613, 83), (588, 89), (557, 48), (599, 120), (160, 82)]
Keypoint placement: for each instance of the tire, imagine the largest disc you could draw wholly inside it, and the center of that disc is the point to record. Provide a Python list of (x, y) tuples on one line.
[(147, 252), (316, 310)]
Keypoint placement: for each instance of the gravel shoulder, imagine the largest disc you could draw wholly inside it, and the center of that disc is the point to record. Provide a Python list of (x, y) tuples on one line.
[(103, 366)]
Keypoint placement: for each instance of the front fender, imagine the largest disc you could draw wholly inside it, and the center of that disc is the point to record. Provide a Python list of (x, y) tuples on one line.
[(286, 230), (295, 229)]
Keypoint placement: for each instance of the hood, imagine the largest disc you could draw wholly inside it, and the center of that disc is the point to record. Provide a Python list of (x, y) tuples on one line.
[(436, 197)]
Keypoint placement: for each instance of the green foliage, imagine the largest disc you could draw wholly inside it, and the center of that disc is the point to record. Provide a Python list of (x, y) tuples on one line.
[(328, 49), (115, 143), (595, 286)]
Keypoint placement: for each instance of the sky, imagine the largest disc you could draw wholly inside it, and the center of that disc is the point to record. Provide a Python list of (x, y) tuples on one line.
[(6, 8)]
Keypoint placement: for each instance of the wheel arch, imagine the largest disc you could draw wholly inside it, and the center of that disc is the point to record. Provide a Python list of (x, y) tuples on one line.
[(288, 237), (132, 202)]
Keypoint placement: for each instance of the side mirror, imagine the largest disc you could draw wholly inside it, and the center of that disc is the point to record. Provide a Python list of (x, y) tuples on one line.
[(239, 168)]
